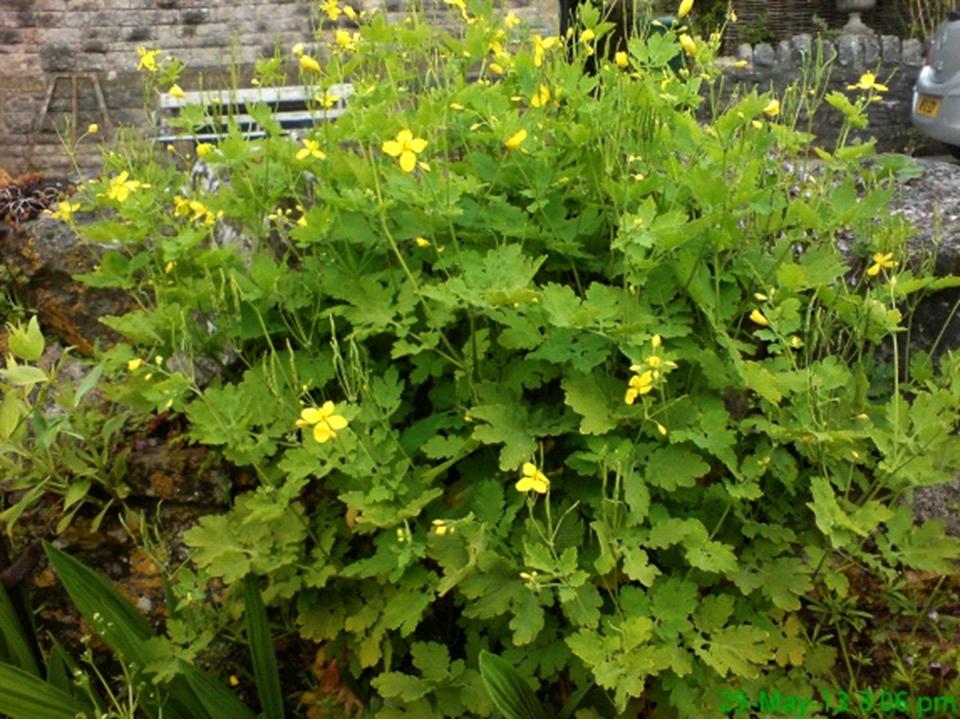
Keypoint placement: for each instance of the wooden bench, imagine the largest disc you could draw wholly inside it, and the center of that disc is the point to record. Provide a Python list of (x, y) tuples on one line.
[(294, 107)]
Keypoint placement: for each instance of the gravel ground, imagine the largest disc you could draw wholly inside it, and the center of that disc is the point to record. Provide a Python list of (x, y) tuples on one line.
[(932, 203)]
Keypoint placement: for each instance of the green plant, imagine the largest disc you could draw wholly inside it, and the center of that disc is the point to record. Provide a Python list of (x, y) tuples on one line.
[(158, 683), (50, 442), (541, 364)]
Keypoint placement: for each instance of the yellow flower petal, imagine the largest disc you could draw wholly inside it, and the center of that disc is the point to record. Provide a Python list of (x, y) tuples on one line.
[(308, 63), (758, 318), (772, 108), (685, 7), (417, 145), (322, 433), (337, 422), (392, 148), (515, 140), (688, 45), (312, 415), (408, 161)]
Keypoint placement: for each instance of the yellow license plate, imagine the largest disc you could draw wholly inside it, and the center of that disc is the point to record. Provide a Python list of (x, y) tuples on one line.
[(928, 106)]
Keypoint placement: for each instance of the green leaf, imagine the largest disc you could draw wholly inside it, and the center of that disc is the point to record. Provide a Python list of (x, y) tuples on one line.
[(15, 645), (260, 639), (24, 695), (431, 659), (739, 650), (675, 466), (216, 699), (26, 342), (924, 548), (509, 692), (592, 397), (507, 424), (784, 580), (712, 556), (24, 375), (527, 621), (401, 685)]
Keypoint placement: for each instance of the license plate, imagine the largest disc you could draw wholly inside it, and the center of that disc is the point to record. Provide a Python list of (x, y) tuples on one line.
[(928, 106)]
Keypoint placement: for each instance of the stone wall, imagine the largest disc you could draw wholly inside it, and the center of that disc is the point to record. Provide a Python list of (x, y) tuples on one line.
[(73, 62), (896, 63)]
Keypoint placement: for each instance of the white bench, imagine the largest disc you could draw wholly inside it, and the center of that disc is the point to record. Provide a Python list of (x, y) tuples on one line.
[(294, 107)]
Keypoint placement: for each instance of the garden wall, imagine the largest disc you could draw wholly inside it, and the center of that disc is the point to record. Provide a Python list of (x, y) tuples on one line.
[(896, 63), (73, 62)]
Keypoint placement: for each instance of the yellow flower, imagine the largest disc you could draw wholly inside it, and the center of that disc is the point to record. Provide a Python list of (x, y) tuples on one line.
[(456, 106), (541, 97), (148, 59), (327, 99), (332, 9), (120, 187), (93, 128), (760, 296), (685, 7), (168, 268), (324, 421), (297, 49), (689, 46), (653, 362), (350, 13), (511, 20), (758, 318), (515, 140), (346, 41), (621, 59), (733, 15), (308, 63), (234, 681), (177, 91), (311, 148), (740, 64), (440, 527), (868, 81), (422, 242), (540, 46), (533, 479), (496, 68), (134, 364), (656, 341), (406, 147), (204, 149), (638, 385), (65, 211), (881, 261), (302, 221), (662, 429), (795, 342), (757, 124), (587, 35), (772, 108)]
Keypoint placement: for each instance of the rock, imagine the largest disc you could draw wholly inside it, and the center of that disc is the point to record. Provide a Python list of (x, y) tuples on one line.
[(764, 55), (890, 48), (849, 50), (912, 52), (42, 256)]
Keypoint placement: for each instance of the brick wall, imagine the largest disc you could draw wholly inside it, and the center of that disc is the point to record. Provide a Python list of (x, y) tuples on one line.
[(55, 54)]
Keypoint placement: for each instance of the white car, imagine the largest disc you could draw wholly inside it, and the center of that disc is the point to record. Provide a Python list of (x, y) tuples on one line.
[(936, 95)]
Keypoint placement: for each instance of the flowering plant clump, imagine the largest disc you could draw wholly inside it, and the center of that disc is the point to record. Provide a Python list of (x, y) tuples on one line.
[(501, 273)]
